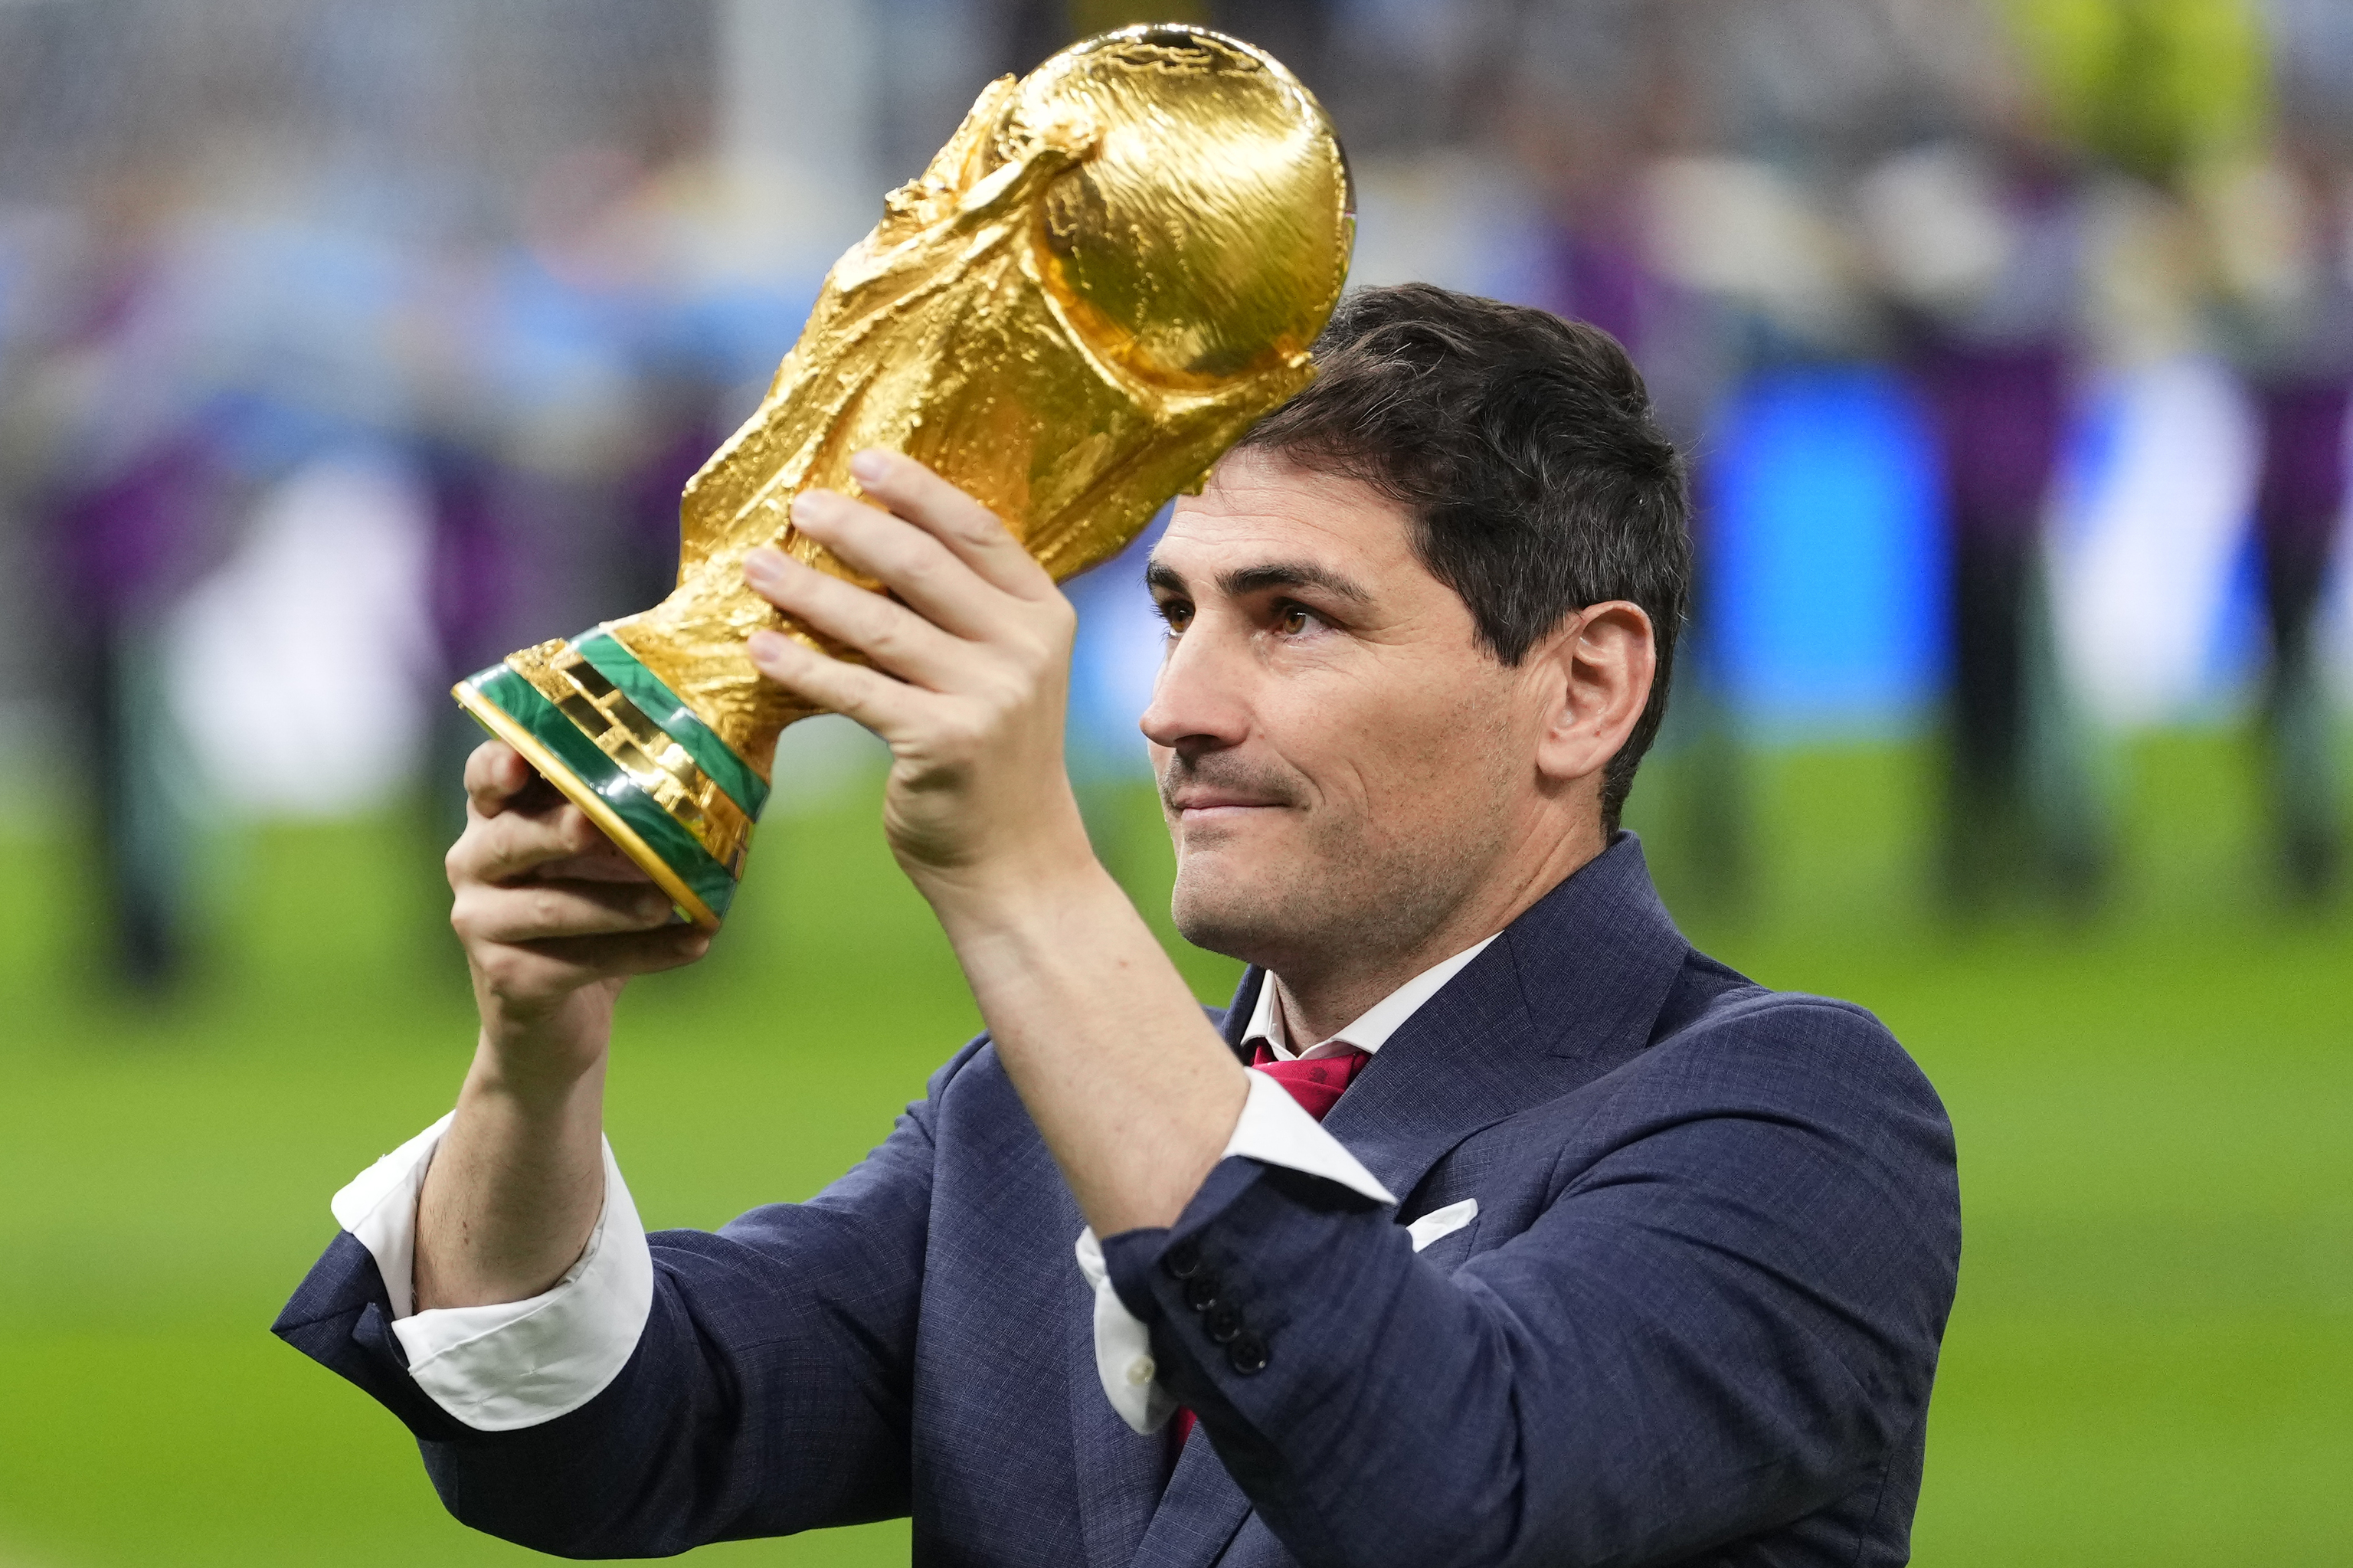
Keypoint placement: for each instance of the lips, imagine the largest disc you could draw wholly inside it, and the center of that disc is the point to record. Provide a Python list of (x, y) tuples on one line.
[(1221, 783), (1215, 800)]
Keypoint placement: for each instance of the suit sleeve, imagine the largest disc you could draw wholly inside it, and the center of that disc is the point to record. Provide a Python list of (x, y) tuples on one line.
[(768, 1393), (1724, 1315)]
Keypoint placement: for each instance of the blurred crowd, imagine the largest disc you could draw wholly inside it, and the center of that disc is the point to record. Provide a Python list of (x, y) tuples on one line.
[(345, 347)]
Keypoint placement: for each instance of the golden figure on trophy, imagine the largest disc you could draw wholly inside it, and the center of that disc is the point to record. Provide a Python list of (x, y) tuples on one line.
[(1112, 269)]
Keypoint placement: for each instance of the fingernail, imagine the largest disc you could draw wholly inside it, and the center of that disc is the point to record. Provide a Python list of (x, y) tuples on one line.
[(870, 466), (764, 566), (765, 645)]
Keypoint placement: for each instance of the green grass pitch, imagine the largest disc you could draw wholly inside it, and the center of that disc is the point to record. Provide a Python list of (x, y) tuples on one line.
[(2151, 1361)]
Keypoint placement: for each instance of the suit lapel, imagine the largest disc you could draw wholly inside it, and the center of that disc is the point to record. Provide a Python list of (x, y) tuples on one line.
[(1119, 1471), (1201, 1507), (1199, 1512), (1237, 1019)]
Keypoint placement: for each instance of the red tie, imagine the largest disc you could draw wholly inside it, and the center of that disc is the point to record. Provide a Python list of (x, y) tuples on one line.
[(1316, 1086)]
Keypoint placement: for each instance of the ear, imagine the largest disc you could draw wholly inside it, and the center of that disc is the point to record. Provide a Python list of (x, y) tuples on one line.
[(1597, 671)]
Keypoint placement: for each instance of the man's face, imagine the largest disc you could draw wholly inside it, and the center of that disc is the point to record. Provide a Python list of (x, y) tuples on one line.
[(1340, 762)]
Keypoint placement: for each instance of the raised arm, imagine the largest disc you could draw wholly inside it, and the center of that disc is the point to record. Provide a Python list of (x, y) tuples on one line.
[(554, 921), (576, 1385), (1132, 1089)]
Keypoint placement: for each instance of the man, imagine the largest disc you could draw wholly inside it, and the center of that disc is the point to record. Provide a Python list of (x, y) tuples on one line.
[(1602, 1252)]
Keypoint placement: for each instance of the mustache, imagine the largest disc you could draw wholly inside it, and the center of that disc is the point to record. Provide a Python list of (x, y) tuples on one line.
[(1227, 773)]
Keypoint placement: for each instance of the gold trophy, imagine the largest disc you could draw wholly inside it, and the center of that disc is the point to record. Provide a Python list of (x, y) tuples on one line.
[(1113, 267)]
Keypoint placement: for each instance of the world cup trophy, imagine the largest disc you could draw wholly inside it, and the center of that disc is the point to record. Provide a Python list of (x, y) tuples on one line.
[(1112, 269)]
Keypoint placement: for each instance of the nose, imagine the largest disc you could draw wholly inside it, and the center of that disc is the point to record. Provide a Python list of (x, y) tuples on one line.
[(1200, 699)]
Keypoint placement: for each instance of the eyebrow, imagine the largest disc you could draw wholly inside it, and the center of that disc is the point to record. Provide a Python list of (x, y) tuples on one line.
[(1243, 582)]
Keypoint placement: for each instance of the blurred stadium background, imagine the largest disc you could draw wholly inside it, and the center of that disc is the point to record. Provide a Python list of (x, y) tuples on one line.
[(344, 347)]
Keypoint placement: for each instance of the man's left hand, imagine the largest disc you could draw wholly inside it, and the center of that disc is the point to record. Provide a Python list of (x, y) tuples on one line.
[(967, 664), (966, 675)]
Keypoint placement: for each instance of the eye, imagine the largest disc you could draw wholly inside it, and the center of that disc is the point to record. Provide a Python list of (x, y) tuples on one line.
[(1175, 612), (1296, 619)]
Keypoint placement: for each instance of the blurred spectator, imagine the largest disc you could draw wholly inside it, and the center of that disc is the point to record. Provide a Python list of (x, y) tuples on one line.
[(2278, 224), (126, 477), (1980, 244), (1980, 238), (1695, 155)]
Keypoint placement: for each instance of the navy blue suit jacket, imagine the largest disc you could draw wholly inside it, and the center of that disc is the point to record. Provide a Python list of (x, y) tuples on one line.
[(1695, 1320)]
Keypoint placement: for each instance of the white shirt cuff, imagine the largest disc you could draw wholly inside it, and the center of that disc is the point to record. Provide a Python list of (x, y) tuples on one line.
[(1273, 1129), (1122, 1348), (519, 1364)]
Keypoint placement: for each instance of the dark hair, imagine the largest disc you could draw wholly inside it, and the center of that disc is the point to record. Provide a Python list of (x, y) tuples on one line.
[(1528, 451)]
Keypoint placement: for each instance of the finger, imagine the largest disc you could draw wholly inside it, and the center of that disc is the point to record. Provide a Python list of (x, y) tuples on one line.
[(544, 911), (976, 536), (638, 953), (495, 774), (892, 636), (560, 965), (913, 564), (519, 843), (870, 697), (603, 863)]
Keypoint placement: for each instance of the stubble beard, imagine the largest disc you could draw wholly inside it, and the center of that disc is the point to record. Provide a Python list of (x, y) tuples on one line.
[(1336, 898)]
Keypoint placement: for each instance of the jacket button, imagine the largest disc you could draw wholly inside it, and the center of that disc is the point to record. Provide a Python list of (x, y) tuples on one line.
[(1182, 1261), (1222, 1323), (1201, 1291), (1246, 1353)]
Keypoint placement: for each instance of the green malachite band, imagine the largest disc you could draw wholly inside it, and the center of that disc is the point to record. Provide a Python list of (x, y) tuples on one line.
[(659, 704), (521, 701)]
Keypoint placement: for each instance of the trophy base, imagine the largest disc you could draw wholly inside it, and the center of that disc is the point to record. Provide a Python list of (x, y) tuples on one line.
[(621, 745)]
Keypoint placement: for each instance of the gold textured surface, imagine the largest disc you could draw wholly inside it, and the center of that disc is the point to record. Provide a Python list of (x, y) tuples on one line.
[(599, 811), (1114, 267), (654, 762)]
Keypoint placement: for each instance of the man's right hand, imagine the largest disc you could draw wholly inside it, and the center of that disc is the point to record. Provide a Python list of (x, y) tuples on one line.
[(554, 921)]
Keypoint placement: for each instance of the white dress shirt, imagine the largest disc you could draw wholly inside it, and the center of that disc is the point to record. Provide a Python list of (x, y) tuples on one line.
[(520, 1364)]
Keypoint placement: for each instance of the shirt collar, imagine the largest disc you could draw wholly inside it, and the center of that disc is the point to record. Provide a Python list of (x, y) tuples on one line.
[(1371, 1031)]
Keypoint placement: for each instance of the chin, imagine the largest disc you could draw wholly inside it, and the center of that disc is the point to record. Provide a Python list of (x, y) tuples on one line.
[(1251, 914)]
